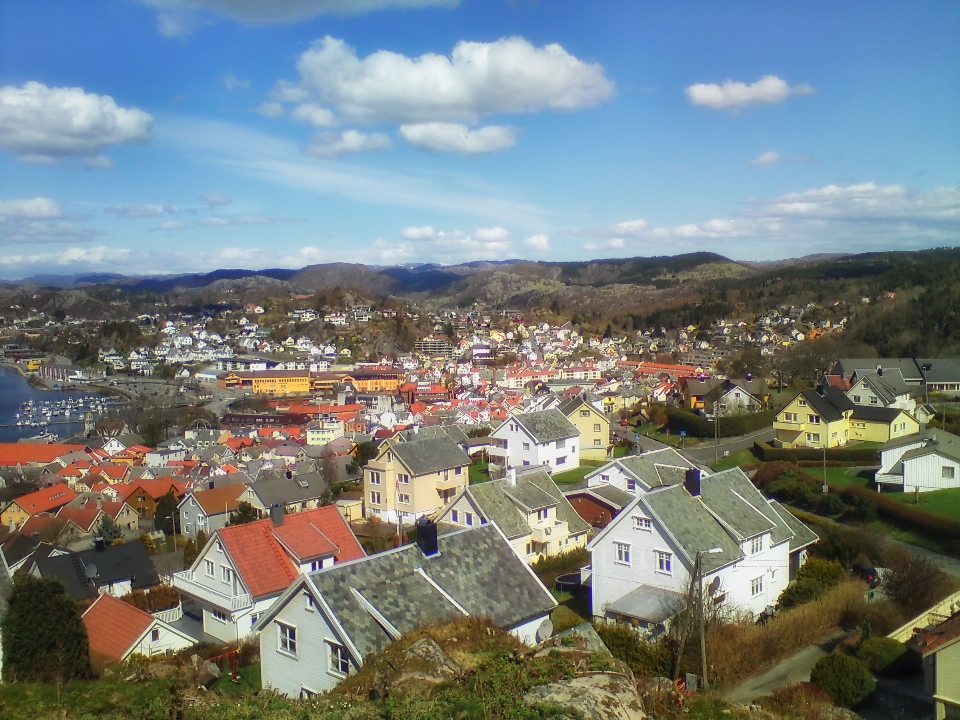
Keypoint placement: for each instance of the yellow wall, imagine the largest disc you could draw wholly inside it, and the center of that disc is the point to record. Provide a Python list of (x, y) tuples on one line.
[(422, 489), (588, 449), (13, 515), (794, 433), (867, 431), (281, 385), (948, 677)]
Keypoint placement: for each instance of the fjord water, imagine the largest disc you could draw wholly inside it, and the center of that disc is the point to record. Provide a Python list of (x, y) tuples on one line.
[(14, 391)]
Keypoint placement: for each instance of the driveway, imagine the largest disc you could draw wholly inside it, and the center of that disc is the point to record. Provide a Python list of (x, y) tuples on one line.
[(706, 451)]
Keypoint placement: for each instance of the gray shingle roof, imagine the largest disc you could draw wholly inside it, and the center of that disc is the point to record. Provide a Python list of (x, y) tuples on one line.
[(547, 425), (875, 414), (802, 535), (649, 603), (691, 526), (936, 442), (740, 507), (829, 402), (475, 567), (275, 488), (658, 468), (609, 493), (430, 454)]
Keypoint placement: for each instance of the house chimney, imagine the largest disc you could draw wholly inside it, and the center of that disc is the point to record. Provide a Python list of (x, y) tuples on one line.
[(210, 485), (99, 544), (880, 370), (691, 481), (276, 515), (749, 376), (427, 536), (289, 474)]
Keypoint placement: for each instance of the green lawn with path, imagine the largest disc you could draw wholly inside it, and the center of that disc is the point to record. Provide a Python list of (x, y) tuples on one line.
[(577, 474), (839, 476)]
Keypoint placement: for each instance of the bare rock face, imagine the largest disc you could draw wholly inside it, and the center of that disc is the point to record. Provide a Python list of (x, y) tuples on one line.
[(601, 696)]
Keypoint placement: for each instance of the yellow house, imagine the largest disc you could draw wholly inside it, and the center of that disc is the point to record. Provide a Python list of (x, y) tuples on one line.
[(593, 425), (827, 418), (281, 382), (413, 478), (385, 380)]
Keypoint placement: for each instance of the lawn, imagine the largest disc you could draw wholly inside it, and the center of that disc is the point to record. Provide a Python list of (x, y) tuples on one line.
[(741, 457), (840, 476), (577, 474), (674, 440), (247, 683), (945, 503), (479, 472)]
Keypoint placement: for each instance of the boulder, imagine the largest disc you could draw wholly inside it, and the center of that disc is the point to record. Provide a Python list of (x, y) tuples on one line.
[(600, 696)]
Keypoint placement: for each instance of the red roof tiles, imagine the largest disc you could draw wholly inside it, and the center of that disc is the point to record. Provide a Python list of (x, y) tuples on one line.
[(113, 627), (34, 453), (46, 499)]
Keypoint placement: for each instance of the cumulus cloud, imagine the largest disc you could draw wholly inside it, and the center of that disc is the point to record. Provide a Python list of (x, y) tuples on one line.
[(177, 18), (40, 220), (335, 144), (418, 233), (454, 137), (270, 109), (509, 75), (44, 124), (766, 159), (232, 83), (538, 242), (83, 256), (427, 243), (38, 208), (314, 114), (768, 90), (215, 199)]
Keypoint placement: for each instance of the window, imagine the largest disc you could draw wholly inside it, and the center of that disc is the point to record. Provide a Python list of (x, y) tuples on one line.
[(543, 514), (561, 443), (529, 548), (623, 552), (458, 471), (561, 460), (186, 528), (756, 586), (756, 545), (526, 446), (790, 417), (596, 427), (219, 546), (526, 462), (631, 485), (219, 615), (454, 516), (339, 661), (288, 638), (813, 419), (224, 574), (374, 498), (664, 561), (813, 437), (403, 498), (155, 635), (468, 518), (253, 618), (598, 442), (641, 523), (309, 604), (208, 567), (374, 478), (605, 478), (585, 413), (316, 565), (856, 399), (947, 471), (802, 403), (873, 400), (403, 478)]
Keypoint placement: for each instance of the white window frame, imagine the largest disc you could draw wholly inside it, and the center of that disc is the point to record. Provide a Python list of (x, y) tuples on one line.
[(664, 562), (756, 586), (756, 545), (947, 475), (642, 523), (337, 659), (403, 478), (210, 569), (596, 427), (403, 498), (225, 573), (375, 498), (286, 638), (455, 515), (623, 553), (374, 477), (526, 447), (217, 615)]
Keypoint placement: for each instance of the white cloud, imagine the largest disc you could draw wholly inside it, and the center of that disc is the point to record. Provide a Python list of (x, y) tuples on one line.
[(509, 75), (453, 137), (44, 124), (177, 18), (172, 226), (212, 222), (138, 210), (767, 90), (270, 109), (215, 199), (38, 208), (88, 256), (314, 114), (232, 83), (98, 162), (766, 159), (538, 242), (418, 233), (335, 144), (630, 227), (492, 236)]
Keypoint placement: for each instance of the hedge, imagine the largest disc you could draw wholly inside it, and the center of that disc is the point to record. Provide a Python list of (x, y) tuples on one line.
[(768, 453), (903, 514), (880, 653), (845, 679), (643, 658), (730, 425)]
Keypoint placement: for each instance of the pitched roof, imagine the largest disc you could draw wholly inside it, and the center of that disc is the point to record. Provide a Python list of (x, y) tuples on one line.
[(114, 563), (610, 495), (946, 633), (319, 533), (829, 402), (46, 499), (742, 509), (275, 488), (156, 489), (547, 425), (476, 569), (83, 517), (34, 453), (219, 500), (802, 535), (653, 469), (876, 414), (431, 454), (113, 626)]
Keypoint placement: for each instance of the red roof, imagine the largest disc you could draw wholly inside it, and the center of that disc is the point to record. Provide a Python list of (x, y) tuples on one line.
[(319, 533), (34, 453), (46, 499), (947, 631), (225, 498), (113, 627), (154, 488), (83, 517)]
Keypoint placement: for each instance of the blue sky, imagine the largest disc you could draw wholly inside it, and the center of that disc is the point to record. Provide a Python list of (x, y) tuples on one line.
[(151, 136)]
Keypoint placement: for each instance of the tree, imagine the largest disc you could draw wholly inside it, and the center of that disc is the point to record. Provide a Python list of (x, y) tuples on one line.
[(44, 639), (201, 541), (330, 468), (190, 553), (109, 530), (245, 513), (845, 679), (167, 517)]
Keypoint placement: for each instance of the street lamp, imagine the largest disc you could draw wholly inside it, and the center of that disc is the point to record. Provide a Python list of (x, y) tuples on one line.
[(924, 369), (703, 639)]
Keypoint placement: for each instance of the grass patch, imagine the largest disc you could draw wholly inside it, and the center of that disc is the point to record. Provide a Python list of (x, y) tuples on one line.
[(479, 472), (577, 474), (839, 476), (737, 459), (248, 682), (945, 503), (620, 451), (673, 439)]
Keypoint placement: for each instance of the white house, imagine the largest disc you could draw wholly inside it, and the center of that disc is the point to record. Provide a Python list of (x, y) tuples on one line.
[(642, 562), (242, 569), (321, 629), (929, 460), (117, 630), (545, 438), (639, 473)]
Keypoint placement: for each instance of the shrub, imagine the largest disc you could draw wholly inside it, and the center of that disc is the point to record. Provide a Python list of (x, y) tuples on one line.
[(830, 504), (915, 583), (767, 453), (643, 658), (879, 653), (906, 516), (864, 508), (798, 593), (845, 679), (826, 572)]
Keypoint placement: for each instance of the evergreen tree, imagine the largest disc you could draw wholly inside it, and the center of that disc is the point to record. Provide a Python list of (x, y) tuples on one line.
[(190, 553), (245, 513), (109, 530), (167, 517), (44, 639), (201, 541)]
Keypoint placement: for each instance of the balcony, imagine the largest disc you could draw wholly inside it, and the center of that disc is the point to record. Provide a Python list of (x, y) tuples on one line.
[(452, 480), (549, 533), (186, 583)]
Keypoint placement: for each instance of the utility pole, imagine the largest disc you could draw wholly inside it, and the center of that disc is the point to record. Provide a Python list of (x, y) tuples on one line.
[(826, 488), (686, 625), (703, 634), (716, 430)]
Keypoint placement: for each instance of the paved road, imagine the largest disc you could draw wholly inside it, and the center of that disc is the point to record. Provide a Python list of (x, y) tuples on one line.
[(791, 670), (705, 452)]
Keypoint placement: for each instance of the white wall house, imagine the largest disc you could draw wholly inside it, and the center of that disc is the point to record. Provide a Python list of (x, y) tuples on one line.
[(544, 438), (642, 562), (321, 629), (927, 461), (639, 473), (117, 630)]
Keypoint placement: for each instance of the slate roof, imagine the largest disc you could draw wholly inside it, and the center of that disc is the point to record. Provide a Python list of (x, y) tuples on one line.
[(507, 505), (691, 526), (741, 508), (547, 425), (115, 563), (610, 494), (113, 626), (942, 369), (928, 435), (649, 603), (937, 442), (906, 367), (276, 488), (430, 455), (886, 387), (571, 405), (829, 402), (475, 567), (802, 535), (876, 414), (656, 469)]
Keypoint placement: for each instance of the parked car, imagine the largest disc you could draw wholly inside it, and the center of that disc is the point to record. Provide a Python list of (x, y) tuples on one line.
[(866, 573)]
